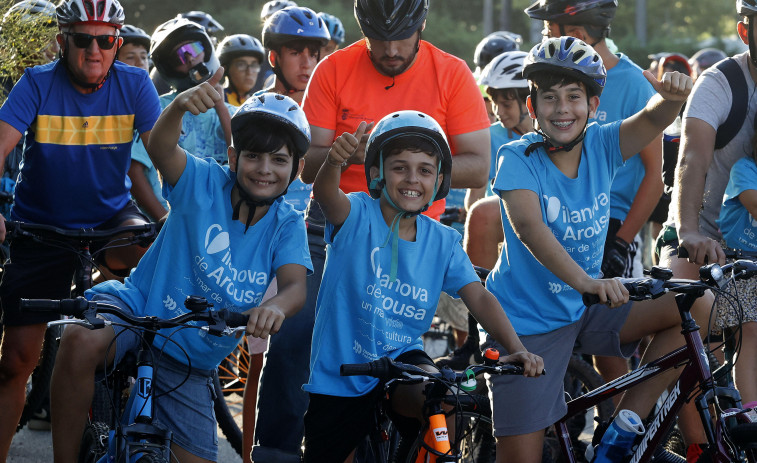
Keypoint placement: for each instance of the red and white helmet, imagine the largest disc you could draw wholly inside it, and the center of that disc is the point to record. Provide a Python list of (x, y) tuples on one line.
[(90, 11)]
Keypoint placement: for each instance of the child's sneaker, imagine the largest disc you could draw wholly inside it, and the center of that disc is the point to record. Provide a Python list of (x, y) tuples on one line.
[(40, 421)]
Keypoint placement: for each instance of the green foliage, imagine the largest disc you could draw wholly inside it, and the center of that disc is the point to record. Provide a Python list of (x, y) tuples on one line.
[(23, 40), (456, 26)]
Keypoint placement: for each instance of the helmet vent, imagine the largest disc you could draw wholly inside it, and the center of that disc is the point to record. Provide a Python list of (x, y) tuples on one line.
[(279, 97), (578, 55), (262, 98), (293, 108)]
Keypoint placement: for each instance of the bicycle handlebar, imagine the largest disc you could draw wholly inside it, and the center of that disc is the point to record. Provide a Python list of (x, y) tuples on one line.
[(661, 282), (145, 232), (222, 322), (386, 369), (730, 253)]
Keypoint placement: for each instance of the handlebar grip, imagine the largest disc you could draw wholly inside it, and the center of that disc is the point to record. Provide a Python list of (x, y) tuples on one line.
[(72, 307), (590, 299), (236, 319), (355, 369)]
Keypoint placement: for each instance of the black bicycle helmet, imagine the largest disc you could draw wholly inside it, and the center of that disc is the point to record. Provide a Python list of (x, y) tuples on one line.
[(234, 46), (389, 20), (493, 45), (166, 37), (582, 12), (212, 27), (135, 35), (706, 57)]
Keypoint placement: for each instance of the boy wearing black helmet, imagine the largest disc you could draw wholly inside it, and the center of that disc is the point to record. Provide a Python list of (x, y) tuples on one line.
[(236, 208), (379, 244), (135, 48), (555, 186), (241, 56)]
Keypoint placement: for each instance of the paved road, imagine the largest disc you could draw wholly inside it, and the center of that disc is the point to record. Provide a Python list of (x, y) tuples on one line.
[(36, 447)]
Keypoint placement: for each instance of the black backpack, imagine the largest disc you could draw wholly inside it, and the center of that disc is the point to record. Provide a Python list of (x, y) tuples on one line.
[(739, 99)]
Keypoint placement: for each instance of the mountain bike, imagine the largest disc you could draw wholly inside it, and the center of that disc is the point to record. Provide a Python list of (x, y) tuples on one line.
[(729, 439), (446, 387), (80, 243), (134, 437)]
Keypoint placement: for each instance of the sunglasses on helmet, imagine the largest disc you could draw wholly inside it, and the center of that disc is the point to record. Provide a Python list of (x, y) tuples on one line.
[(105, 42), (189, 51)]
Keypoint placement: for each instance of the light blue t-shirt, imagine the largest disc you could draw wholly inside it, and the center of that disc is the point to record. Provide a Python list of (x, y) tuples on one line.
[(499, 135), (202, 251), (151, 173), (201, 134), (626, 93), (360, 314), (577, 211), (737, 225)]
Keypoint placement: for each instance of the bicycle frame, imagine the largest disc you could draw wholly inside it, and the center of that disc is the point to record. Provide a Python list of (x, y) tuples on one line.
[(696, 372)]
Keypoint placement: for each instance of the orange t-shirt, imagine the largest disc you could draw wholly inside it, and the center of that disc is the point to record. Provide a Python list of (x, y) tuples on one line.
[(346, 88)]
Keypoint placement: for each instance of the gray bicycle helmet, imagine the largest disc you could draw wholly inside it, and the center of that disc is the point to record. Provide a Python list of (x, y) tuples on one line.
[(407, 123), (212, 27), (273, 6), (32, 10), (569, 55), (493, 45), (133, 34), (166, 37), (238, 45), (390, 20)]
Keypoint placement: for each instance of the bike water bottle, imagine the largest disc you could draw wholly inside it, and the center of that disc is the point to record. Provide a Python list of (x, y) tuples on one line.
[(619, 437)]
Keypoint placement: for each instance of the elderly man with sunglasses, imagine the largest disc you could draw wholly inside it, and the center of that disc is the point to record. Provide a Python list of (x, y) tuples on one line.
[(78, 115)]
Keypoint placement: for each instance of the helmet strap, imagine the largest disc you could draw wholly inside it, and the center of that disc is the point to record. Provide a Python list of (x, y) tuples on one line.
[(251, 203), (752, 45)]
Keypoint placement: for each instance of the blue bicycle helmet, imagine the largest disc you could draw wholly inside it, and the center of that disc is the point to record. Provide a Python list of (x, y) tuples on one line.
[(407, 123), (571, 56), (133, 34), (170, 34), (294, 23), (334, 26)]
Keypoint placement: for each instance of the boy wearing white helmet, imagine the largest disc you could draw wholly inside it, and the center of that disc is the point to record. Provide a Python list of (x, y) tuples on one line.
[(378, 241)]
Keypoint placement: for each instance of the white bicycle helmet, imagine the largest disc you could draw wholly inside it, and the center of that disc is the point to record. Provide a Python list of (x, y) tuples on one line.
[(505, 71), (90, 11)]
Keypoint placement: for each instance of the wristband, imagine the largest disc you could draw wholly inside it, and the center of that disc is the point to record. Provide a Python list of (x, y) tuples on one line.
[(335, 164)]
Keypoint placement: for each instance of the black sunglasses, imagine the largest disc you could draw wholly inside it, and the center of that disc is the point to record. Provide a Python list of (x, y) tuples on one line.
[(105, 42)]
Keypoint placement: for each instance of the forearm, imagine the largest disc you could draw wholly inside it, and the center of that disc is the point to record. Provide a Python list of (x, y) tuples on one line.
[(142, 192), (489, 313), (646, 200), (470, 170), (314, 159), (164, 137), (473, 195), (660, 113), (290, 298), (690, 180), (223, 115)]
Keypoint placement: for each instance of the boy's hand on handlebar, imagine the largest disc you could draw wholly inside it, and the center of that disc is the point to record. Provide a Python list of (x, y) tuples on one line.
[(264, 321), (201, 98), (610, 291), (533, 365)]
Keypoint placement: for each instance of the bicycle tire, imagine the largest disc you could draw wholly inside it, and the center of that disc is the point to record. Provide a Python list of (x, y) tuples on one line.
[(580, 378), (94, 442), (225, 418), (744, 435), (39, 385)]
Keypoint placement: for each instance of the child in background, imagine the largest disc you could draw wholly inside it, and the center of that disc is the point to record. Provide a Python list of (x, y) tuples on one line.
[(385, 269), (738, 223)]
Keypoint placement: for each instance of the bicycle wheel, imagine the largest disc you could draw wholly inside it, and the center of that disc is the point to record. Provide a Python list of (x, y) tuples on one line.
[(225, 417), (38, 386), (580, 378), (476, 439), (94, 442)]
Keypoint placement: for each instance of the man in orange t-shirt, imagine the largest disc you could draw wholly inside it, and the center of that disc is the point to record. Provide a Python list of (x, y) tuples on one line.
[(391, 69)]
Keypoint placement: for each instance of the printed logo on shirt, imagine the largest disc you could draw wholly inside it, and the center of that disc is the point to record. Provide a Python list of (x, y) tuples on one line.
[(347, 115), (581, 224), (601, 117), (219, 279), (386, 293)]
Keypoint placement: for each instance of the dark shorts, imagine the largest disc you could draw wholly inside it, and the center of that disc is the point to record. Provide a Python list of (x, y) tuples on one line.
[(334, 426), (39, 271)]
